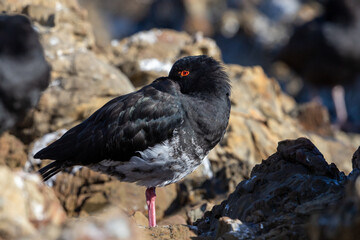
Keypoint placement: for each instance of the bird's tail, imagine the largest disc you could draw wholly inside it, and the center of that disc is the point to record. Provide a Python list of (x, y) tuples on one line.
[(51, 169)]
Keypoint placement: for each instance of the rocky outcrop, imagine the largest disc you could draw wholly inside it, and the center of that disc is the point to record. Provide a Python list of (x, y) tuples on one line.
[(111, 223), (283, 192), (341, 221), (27, 206), (86, 192), (84, 78)]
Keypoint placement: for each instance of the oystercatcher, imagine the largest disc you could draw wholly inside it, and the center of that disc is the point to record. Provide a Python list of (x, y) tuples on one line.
[(24, 72), (154, 136), (326, 53)]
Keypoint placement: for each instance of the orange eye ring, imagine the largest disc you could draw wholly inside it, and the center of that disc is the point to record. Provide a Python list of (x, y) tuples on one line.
[(184, 73)]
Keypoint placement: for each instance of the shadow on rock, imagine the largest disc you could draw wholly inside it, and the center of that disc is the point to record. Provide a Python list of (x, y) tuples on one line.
[(278, 200), (342, 221)]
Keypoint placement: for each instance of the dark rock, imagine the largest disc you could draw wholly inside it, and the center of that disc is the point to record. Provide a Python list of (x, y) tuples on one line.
[(356, 159), (304, 151), (342, 221), (180, 232), (282, 193), (197, 212), (85, 84), (85, 192)]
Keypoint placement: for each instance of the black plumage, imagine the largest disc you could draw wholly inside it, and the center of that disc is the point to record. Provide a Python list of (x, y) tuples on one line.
[(156, 135), (24, 73)]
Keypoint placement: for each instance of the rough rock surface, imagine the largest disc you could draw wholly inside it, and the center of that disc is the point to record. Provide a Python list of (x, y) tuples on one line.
[(12, 151), (109, 224), (281, 195), (84, 78), (343, 220), (87, 192), (26, 205)]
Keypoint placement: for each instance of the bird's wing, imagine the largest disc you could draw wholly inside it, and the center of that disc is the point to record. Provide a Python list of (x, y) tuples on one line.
[(121, 127)]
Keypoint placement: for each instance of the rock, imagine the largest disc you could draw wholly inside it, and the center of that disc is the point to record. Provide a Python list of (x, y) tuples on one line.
[(232, 229), (109, 224), (314, 118), (60, 15), (172, 220), (340, 221), (87, 192), (75, 93), (180, 232), (26, 205), (94, 203), (281, 195), (356, 159), (198, 211), (12, 151), (140, 219)]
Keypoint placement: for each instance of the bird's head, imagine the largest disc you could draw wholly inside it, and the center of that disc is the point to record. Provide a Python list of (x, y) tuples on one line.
[(200, 74)]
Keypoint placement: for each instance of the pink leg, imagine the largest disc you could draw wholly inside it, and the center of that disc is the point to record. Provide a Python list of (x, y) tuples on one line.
[(150, 201), (338, 95)]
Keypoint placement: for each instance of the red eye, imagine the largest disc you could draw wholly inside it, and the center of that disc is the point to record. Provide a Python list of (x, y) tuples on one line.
[(184, 73)]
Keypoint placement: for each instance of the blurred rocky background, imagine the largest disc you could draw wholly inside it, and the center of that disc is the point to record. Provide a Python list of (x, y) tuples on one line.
[(305, 189)]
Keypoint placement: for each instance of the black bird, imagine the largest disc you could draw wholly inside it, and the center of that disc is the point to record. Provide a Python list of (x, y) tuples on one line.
[(325, 51), (154, 136), (24, 73)]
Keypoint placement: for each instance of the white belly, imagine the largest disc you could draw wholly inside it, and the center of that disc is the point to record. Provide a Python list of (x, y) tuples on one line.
[(156, 166)]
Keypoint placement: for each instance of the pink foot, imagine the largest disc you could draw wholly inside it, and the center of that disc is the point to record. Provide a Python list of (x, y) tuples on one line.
[(150, 201), (338, 95)]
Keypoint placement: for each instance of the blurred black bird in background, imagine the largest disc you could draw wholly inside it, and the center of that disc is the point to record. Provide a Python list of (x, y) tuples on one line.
[(24, 73), (326, 51)]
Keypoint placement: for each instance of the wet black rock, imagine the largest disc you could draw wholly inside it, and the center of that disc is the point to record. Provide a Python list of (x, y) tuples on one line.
[(281, 195), (340, 222), (356, 159)]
